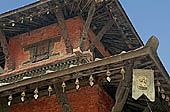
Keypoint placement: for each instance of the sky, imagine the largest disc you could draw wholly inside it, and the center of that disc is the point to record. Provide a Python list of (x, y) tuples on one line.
[(149, 17)]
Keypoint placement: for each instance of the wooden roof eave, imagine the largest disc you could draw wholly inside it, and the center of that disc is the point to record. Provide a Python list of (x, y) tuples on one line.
[(144, 51), (128, 21), (24, 8)]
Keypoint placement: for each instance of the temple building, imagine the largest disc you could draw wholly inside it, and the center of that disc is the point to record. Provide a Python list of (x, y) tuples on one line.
[(78, 56)]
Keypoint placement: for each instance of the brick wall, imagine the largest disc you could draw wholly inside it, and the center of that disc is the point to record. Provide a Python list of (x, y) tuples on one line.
[(16, 44), (86, 99)]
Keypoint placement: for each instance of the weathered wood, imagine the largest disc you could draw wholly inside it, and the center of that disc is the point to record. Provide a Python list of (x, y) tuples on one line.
[(100, 34), (85, 67), (87, 26), (123, 88), (4, 105), (9, 61), (62, 98), (24, 8), (158, 106), (99, 44), (128, 21), (63, 27)]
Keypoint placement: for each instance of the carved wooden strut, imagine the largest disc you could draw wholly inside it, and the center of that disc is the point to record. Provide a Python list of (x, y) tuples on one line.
[(123, 88), (87, 26), (9, 62), (64, 32), (62, 98)]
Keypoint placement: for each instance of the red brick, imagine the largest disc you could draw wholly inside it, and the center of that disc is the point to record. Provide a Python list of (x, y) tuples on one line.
[(86, 99)]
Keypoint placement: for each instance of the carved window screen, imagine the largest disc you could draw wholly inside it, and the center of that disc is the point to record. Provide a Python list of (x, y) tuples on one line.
[(41, 50)]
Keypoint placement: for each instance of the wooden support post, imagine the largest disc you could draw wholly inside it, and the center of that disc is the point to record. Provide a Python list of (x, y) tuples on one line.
[(123, 88), (64, 32), (9, 62), (62, 98), (4, 105), (100, 34), (87, 26)]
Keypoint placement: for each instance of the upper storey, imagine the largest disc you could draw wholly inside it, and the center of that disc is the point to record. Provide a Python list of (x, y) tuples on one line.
[(109, 26)]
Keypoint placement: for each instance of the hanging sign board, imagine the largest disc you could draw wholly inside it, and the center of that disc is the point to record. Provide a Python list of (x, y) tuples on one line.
[(143, 83)]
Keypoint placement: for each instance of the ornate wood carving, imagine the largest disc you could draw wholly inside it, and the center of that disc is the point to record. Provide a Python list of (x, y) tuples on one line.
[(64, 32), (62, 98), (41, 50), (3, 105), (123, 88), (9, 61), (87, 26)]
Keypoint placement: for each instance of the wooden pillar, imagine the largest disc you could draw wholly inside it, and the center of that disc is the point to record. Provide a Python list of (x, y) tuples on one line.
[(62, 98), (87, 26), (4, 105), (123, 88), (9, 61), (63, 27)]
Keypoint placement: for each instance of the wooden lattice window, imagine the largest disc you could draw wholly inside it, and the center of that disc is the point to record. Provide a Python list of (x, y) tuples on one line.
[(41, 50)]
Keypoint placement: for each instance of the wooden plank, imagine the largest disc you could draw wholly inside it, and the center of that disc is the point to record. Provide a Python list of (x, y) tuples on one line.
[(62, 98), (87, 26), (64, 32), (100, 34), (4, 105), (9, 61), (123, 88)]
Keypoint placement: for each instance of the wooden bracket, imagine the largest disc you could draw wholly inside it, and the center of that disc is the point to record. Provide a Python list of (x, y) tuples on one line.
[(4, 105), (9, 62), (62, 98), (64, 32), (87, 26), (123, 88)]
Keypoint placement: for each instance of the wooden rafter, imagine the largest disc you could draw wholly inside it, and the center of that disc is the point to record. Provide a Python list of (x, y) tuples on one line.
[(100, 34), (9, 62), (123, 88), (62, 98), (64, 32), (123, 34), (87, 26)]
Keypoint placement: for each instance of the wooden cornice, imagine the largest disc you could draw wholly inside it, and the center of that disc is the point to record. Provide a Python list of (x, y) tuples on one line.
[(142, 52)]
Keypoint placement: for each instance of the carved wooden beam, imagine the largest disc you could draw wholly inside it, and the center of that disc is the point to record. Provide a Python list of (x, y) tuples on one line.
[(9, 62), (87, 26), (62, 98), (123, 88), (4, 105), (100, 34), (64, 32)]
